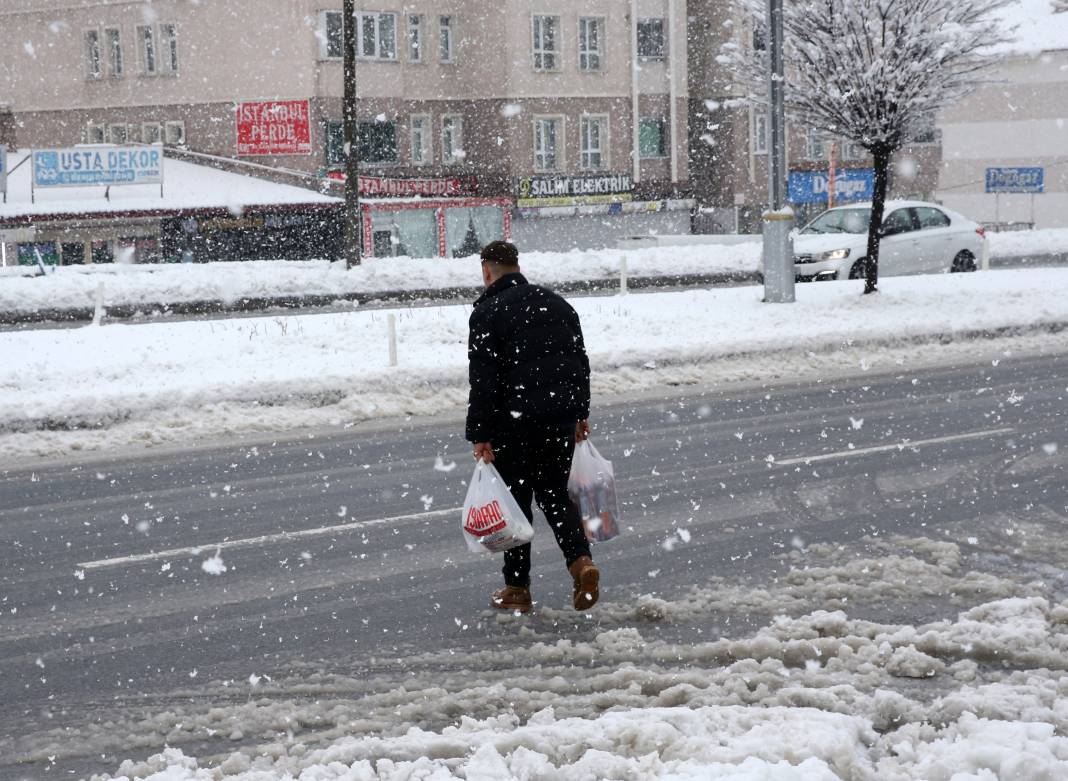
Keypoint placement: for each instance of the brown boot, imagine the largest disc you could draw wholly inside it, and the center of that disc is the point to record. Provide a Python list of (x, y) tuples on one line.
[(587, 577), (513, 598)]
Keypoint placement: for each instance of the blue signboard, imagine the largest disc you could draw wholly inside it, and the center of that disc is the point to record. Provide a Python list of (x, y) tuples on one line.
[(850, 184), (1014, 180), (98, 165)]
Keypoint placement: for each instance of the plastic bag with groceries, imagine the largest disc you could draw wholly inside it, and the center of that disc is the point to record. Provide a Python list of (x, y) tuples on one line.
[(592, 486), (492, 520)]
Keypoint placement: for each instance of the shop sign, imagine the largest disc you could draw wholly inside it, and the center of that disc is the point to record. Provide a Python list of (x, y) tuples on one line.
[(97, 165), (573, 190), (850, 184), (216, 224), (1015, 180), (385, 187), (274, 127)]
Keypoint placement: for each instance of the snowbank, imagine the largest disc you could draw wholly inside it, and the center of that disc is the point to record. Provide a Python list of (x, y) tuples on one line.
[(267, 372), (73, 287)]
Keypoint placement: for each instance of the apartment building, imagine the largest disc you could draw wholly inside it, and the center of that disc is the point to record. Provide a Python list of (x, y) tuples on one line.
[(1006, 146), (729, 142), (551, 111)]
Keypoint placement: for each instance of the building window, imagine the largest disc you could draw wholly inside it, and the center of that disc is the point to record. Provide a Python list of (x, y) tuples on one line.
[(760, 133), (420, 139), (95, 134), (925, 133), (652, 39), (168, 48), (146, 45), (377, 36), (851, 150), (335, 143), (377, 142), (545, 33), (445, 42), (133, 134), (452, 139), (174, 132), (651, 138), (593, 143), (117, 134), (590, 51), (331, 35), (93, 65), (547, 143), (415, 38), (151, 133), (760, 35), (114, 46), (817, 145)]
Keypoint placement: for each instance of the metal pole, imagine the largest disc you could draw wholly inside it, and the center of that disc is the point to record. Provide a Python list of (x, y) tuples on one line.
[(778, 220), (351, 131)]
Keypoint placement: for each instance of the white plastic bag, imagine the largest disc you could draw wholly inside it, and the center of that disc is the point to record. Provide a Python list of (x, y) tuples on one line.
[(492, 520), (592, 486)]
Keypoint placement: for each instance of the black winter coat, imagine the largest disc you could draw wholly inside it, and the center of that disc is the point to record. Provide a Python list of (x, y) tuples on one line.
[(528, 363)]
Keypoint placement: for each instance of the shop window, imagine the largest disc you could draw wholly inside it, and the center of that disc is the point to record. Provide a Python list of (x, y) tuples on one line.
[(102, 251), (652, 39), (652, 140), (383, 243), (73, 253), (377, 142)]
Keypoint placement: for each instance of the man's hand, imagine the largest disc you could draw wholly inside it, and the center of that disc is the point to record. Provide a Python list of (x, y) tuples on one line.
[(582, 431), (484, 450)]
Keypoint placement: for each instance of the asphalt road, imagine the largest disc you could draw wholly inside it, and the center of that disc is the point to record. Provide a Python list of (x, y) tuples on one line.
[(343, 549)]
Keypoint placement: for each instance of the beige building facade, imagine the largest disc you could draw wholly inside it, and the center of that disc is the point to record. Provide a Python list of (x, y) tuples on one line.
[(486, 93)]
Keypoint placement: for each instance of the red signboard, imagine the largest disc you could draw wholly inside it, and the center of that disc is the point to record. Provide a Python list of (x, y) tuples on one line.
[(274, 127), (386, 187)]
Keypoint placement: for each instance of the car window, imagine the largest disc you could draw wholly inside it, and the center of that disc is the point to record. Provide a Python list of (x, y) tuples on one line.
[(898, 221), (840, 221), (930, 217)]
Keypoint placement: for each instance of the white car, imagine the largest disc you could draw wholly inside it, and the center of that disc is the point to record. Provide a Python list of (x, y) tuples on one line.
[(917, 238)]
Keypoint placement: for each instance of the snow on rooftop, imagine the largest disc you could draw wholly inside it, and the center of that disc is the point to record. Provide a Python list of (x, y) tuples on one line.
[(1038, 27), (186, 186)]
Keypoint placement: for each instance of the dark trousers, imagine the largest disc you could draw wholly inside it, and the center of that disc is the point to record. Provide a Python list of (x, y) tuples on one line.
[(535, 464)]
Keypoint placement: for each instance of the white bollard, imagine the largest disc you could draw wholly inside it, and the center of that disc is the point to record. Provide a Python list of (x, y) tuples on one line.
[(984, 253), (98, 309), (623, 276), (392, 340)]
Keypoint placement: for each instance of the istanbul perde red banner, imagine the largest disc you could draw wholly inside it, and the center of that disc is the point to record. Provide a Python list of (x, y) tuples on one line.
[(274, 127)]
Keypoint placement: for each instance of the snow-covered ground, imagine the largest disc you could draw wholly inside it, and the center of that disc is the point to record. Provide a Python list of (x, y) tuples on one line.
[(72, 287), (812, 695), (97, 386)]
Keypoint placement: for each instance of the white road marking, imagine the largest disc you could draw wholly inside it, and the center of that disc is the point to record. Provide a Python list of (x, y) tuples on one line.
[(861, 451), (322, 531)]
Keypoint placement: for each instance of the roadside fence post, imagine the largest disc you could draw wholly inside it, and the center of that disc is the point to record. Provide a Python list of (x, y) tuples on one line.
[(392, 339)]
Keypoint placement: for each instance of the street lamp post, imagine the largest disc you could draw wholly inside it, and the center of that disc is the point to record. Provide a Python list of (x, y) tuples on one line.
[(351, 129), (778, 219)]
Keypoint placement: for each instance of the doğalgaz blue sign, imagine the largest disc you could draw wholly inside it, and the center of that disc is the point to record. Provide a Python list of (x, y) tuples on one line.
[(97, 165), (1014, 180), (850, 184)]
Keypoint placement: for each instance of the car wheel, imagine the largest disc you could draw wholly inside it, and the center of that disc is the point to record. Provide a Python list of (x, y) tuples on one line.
[(859, 270), (965, 261)]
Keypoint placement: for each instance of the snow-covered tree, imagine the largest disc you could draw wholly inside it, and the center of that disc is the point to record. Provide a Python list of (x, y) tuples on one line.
[(874, 71)]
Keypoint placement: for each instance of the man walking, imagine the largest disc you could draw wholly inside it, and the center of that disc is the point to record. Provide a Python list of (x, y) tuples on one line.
[(529, 404)]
